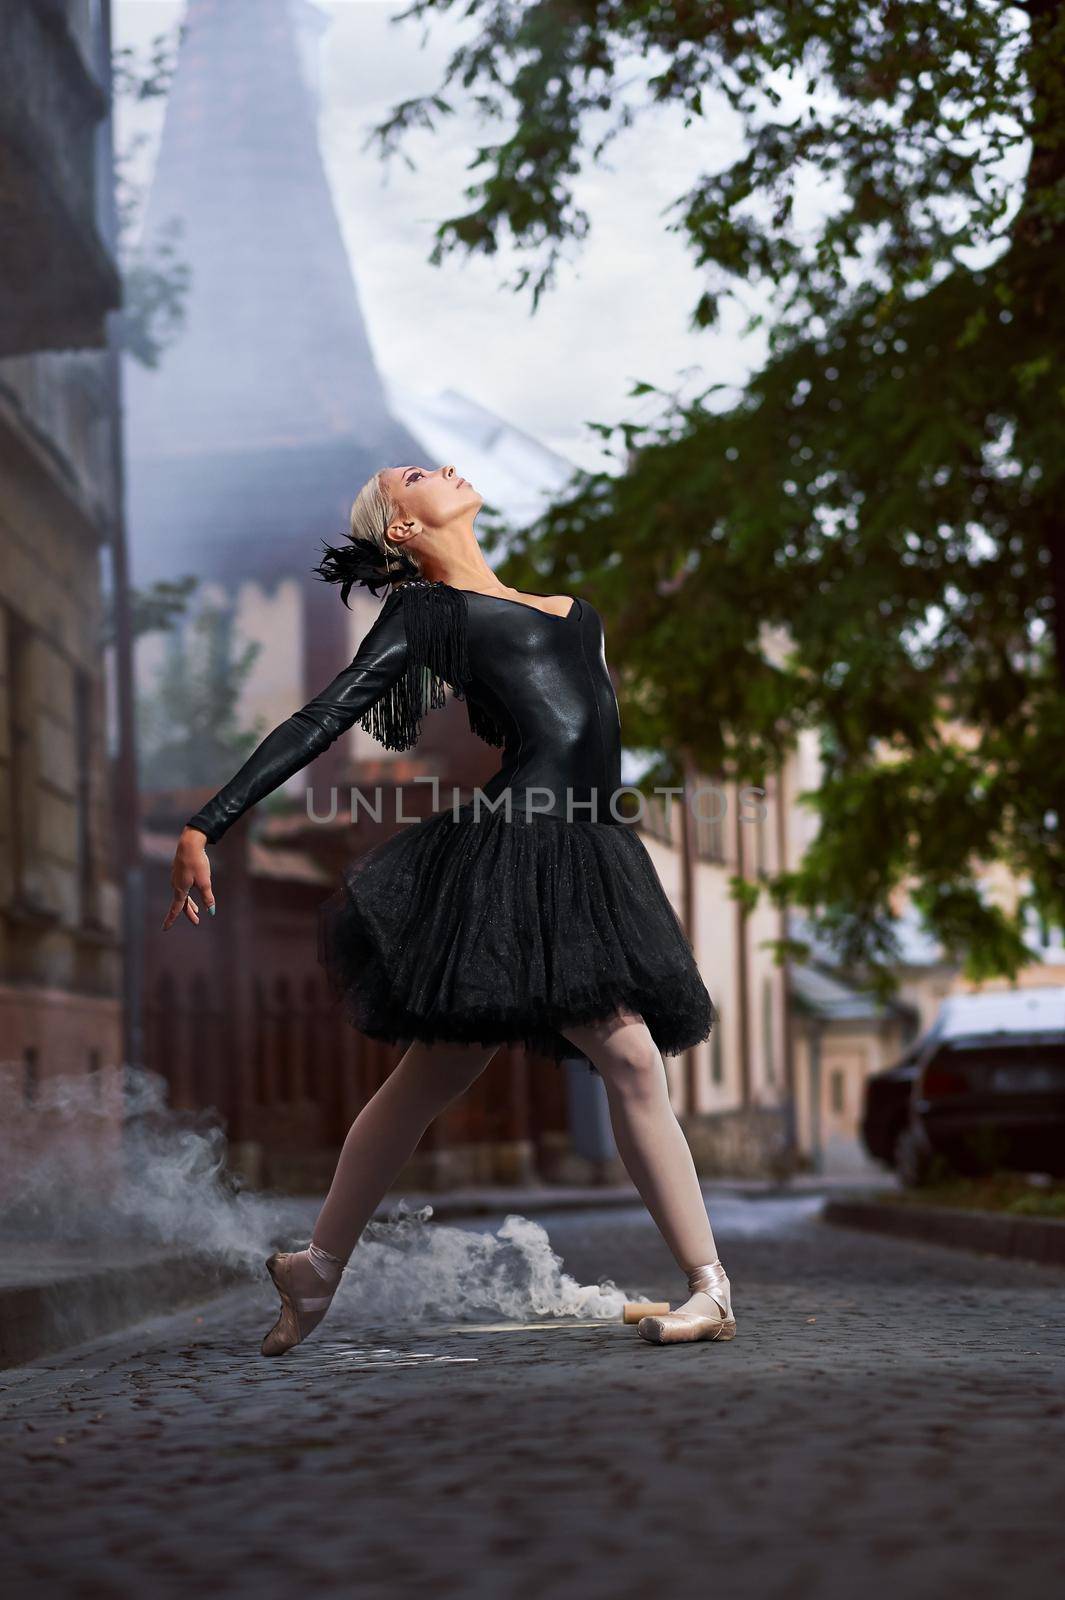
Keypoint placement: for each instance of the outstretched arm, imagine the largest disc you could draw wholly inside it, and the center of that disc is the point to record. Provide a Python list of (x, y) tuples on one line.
[(379, 663), (381, 660)]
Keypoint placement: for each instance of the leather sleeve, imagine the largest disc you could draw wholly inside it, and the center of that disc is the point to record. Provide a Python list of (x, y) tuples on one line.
[(380, 662)]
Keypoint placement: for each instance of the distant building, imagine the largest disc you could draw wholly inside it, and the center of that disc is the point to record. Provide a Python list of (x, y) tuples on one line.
[(245, 448), (66, 811)]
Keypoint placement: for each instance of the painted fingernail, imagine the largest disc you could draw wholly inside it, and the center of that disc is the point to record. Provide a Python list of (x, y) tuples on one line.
[(211, 910)]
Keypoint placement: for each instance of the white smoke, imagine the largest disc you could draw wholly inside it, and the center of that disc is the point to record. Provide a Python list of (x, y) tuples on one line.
[(101, 1162), (411, 1270), (102, 1159)]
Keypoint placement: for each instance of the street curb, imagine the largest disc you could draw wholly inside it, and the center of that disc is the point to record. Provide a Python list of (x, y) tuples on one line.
[(529, 1202), (444, 1211), (1039, 1239), (43, 1319)]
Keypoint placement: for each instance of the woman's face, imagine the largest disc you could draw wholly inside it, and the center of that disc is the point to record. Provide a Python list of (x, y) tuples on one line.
[(433, 496)]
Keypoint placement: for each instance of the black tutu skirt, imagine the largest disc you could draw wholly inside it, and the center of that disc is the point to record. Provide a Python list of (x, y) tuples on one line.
[(493, 931)]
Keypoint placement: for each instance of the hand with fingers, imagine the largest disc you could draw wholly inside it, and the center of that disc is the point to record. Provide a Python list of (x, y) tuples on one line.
[(191, 870)]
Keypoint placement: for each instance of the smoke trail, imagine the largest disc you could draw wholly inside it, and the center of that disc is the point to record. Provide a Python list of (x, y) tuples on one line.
[(408, 1269), (101, 1162), (102, 1159)]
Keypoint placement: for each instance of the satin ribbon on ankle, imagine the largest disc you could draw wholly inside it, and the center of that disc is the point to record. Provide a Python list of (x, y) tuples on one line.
[(712, 1280), (331, 1268)]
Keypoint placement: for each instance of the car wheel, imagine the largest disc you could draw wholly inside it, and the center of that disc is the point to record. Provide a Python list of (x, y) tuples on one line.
[(912, 1159), (969, 1164)]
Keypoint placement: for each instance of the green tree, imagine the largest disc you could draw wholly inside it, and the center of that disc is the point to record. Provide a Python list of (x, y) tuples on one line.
[(155, 280), (887, 491), (188, 727), (156, 609)]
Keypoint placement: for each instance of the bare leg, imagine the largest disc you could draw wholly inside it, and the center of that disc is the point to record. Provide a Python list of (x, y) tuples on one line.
[(651, 1141), (382, 1138)]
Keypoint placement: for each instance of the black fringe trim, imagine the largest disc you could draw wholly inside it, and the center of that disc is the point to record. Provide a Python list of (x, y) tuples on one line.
[(482, 722), (435, 619)]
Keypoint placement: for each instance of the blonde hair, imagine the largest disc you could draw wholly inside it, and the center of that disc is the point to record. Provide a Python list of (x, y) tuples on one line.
[(367, 558), (372, 512)]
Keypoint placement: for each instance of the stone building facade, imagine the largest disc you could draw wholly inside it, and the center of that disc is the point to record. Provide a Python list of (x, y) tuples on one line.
[(62, 974)]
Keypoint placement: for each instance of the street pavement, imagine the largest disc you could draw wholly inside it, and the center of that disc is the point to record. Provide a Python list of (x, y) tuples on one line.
[(474, 1419)]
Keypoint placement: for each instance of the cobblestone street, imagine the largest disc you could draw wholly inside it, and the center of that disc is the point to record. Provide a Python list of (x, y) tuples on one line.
[(889, 1421)]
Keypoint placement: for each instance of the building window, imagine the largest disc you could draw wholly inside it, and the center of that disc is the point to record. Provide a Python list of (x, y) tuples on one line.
[(709, 807), (835, 1087), (658, 816)]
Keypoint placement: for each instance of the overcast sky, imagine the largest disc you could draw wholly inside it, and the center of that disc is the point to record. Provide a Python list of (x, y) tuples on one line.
[(620, 307)]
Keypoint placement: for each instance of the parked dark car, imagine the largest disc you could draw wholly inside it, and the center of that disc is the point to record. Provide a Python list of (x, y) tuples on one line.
[(983, 1088), (886, 1107), (983, 1103)]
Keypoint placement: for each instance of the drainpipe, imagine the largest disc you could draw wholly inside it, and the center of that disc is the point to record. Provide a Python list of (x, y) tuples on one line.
[(742, 974), (127, 832)]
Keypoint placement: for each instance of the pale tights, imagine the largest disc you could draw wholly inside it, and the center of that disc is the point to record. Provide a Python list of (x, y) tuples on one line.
[(429, 1078), (651, 1141)]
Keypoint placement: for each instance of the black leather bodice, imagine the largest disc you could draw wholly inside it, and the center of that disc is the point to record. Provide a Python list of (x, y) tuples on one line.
[(544, 679), (541, 679)]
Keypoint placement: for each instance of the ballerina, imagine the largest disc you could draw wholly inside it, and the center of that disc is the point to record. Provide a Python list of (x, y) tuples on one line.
[(530, 915)]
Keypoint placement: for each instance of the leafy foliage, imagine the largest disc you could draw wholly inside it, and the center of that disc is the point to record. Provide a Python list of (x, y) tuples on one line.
[(188, 725), (154, 277), (886, 496), (155, 609), (911, 110)]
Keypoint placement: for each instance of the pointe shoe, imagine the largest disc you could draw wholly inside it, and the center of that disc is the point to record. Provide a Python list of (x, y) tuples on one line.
[(678, 1327), (297, 1318)]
